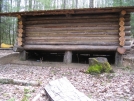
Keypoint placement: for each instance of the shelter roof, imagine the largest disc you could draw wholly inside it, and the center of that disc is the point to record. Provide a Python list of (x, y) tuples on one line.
[(128, 9)]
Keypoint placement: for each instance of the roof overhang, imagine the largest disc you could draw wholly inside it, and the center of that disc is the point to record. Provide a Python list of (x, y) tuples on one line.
[(71, 11)]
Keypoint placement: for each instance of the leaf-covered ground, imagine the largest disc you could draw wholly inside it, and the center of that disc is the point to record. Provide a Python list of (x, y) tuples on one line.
[(118, 86)]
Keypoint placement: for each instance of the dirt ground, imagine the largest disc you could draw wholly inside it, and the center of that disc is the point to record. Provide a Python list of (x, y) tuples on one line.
[(118, 86)]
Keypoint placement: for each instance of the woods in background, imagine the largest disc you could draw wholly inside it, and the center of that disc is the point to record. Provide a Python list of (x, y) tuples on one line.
[(8, 25)]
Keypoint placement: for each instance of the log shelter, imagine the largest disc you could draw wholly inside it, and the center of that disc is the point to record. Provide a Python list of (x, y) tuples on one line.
[(90, 30)]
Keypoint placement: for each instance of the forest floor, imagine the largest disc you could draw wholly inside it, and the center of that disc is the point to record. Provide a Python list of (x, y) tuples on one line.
[(118, 86)]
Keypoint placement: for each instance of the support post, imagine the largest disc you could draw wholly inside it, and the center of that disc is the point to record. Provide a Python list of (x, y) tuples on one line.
[(118, 59), (23, 55), (68, 57)]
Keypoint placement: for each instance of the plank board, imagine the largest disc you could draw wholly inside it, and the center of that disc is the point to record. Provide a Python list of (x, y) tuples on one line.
[(63, 90)]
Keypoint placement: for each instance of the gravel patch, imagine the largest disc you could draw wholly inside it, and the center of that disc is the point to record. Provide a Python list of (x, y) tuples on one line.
[(5, 53)]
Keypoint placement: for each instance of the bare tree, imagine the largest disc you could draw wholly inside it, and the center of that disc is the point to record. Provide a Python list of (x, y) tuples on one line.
[(30, 5), (64, 4), (18, 5), (91, 3), (76, 3), (0, 20)]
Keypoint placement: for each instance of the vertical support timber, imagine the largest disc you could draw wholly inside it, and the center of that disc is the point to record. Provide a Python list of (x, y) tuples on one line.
[(23, 55), (68, 57), (118, 59)]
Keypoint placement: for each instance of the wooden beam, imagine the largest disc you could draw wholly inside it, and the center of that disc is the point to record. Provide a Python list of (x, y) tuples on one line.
[(99, 43), (73, 47), (71, 21), (71, 38)]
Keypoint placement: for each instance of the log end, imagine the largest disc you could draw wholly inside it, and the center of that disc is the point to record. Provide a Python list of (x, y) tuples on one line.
[(123, 12), (121, 50)]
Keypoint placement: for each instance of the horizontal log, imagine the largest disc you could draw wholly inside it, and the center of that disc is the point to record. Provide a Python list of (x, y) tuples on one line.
[(72, 47), (75, 20), (127, 43), (127, 33), (127, 28), (127, 38), (73, 34), (99, 43), (78, 33), (72, 29), (127, 23), (106, 16), (70, 26), (66, 39), (70, 18), (72, 21), (75, 17), (72, 38), (58, 25)]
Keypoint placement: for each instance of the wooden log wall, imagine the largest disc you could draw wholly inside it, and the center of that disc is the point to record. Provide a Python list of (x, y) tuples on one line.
[(98, 32)]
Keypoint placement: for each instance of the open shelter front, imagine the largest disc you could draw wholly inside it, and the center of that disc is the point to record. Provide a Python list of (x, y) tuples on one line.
[(87, 30)]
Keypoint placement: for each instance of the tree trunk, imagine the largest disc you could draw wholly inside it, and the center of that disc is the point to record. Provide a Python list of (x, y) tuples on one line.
[(64, 4), (9, 35), (18, 5), (76, 3), (91, 3), (30, 4), (0, 21), (25, 5)]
